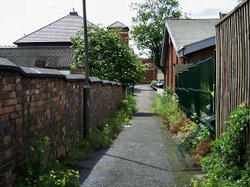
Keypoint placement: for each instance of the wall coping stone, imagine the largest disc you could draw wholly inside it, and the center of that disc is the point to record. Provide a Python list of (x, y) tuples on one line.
[(95, 80), (5, 64), (74, 77)]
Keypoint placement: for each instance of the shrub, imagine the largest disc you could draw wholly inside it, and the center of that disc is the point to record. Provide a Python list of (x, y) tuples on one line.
[(57, 176), (185, 131), (34, 158), (167, 106), (177, 127), (223, 165), (128, 107), (100, 139), (38, 173), (202, 149)]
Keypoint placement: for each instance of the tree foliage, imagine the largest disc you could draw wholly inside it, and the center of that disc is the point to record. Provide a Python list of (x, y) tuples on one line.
[(149, 24), (109, 57)]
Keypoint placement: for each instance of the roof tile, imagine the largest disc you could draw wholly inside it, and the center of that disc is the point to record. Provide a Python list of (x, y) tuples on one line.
[(59, 31), (187, 31)]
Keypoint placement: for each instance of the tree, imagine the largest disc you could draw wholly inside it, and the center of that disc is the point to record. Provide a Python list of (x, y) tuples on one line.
[(109, 57), (149, 24)]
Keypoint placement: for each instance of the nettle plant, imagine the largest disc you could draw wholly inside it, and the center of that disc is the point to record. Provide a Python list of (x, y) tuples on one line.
[(223, 163), (38, 173)]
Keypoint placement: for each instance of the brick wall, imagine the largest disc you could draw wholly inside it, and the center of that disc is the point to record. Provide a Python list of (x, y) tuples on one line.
[(151, 72), (47, 103), (105, 100)]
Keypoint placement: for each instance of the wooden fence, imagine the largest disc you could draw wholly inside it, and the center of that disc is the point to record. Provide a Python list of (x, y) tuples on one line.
[(232, 63)]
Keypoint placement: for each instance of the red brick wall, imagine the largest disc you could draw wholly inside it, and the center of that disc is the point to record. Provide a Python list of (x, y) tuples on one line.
[(201, 55), (171, 60), (105, 100), (50, 107), (125, 36), (151, 72)]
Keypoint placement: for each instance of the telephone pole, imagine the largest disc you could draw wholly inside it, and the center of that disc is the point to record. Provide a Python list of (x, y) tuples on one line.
[(86, 83)]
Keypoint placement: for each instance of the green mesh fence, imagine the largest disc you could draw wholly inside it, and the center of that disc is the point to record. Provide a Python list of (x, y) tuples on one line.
[(195, 89)]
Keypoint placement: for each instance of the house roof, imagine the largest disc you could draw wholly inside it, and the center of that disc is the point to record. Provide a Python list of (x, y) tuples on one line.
[(6, 62), (190, 48), (119, 25), (59, 31), (184, 32), (58, 57)]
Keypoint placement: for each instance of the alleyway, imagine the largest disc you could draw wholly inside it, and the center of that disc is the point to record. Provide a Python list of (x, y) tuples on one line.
[(142, 155)]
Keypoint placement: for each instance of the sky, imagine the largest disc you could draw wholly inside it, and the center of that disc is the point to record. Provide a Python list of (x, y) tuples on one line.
[(20, 17)]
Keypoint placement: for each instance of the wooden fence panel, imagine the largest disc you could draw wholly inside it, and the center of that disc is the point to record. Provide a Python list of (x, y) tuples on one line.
[(232, 63)]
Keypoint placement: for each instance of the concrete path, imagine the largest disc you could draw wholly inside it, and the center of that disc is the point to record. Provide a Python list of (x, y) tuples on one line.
[(141, 156)]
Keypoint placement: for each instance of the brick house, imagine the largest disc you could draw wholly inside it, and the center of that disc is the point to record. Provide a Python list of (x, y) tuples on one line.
[(124, 30), (48, 46), (185, 42)]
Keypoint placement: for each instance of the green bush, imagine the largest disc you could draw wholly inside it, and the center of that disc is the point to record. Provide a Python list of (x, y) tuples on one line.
[(57, 176), (38, 174), (223, 166), (34, 158), (80, 150), (167, 106), (128, 107), (100, 139)]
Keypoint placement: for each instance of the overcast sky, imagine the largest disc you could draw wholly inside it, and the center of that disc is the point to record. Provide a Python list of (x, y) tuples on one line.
[(19, 17)]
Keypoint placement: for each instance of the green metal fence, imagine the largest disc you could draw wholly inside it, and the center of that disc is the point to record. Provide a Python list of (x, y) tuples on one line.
[(195, 89)]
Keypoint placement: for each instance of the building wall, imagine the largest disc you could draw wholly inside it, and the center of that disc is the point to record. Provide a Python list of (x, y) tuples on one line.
[(125, 36), (201, 55), (56, 57), (48, 104), (151, 72), (171, 61)]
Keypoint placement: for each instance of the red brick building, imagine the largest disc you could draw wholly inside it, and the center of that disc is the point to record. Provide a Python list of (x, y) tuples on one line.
[(186, 41), (124, 30), (151, 73)]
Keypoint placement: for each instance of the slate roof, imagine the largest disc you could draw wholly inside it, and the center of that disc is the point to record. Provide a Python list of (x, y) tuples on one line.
[(119, 25), (6, 62), (59, 57), (184, 32), (59, 31), (196, 46)]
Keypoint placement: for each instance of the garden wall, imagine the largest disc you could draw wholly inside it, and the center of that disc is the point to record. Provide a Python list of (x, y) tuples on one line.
[(37, 102)]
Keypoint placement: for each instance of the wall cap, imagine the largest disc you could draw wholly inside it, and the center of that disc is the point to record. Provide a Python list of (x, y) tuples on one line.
[(5, 64)]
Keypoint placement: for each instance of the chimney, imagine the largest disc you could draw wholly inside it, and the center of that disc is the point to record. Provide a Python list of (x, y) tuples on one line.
[(73, 13), (40, 63)]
